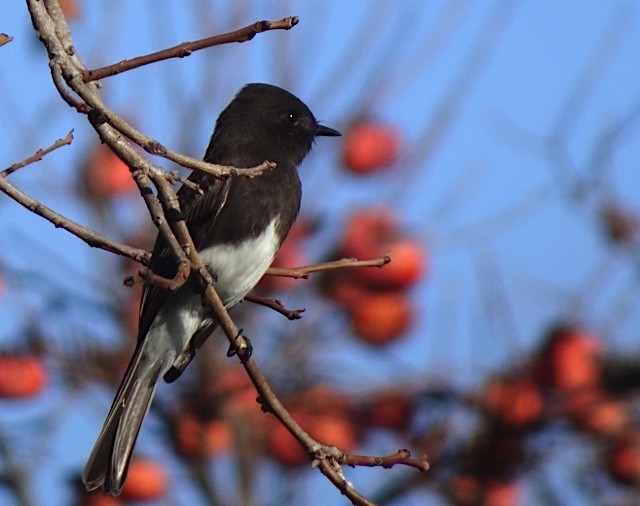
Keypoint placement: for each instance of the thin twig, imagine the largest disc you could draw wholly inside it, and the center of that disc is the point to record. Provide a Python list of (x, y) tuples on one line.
[(303, 272), (5, 39), (174, 177), (15, 476), (88, 235), (66, 65), (186, 48), (148, 275), (402, 457), (38, 155), (276, 305)]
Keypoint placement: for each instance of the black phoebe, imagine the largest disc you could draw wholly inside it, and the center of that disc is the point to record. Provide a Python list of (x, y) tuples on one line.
[(237, 226)]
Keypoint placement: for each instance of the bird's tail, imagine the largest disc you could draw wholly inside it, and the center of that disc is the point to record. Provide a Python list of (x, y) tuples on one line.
[(109, 460)]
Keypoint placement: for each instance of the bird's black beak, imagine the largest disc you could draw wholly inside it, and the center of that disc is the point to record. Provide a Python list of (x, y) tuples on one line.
[(326, 131)]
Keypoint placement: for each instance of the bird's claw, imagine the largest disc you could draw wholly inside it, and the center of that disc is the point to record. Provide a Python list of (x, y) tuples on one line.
[(244, 352)]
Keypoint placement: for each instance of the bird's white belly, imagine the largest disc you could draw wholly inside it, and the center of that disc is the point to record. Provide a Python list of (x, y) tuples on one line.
[(238, 267)]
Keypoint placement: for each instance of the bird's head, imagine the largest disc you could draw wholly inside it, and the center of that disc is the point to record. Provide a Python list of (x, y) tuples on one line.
[(267, 123)]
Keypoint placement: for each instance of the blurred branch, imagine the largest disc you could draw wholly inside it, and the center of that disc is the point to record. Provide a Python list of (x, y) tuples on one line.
[(186, 48), (450, 106), (610, 137), (569, 112), (15, 475), (500, 221)]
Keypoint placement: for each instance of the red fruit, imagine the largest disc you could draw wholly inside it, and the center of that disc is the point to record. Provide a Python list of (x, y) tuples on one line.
[(105, 175), (70, 8), (406, 267), (501, 493), (146, 481), (390, 410), (21, 376), (283, 447), (347, 292), (577, 403), (369, 232), (98, 499), (188, 436), (238, 390), (606, 417), (624, 459), (375, 232), (381, 318), (334, 430), (466, 490), (328, 429), (323, 400), (514, 403), (570, 360), (203, 439), (369, 147)]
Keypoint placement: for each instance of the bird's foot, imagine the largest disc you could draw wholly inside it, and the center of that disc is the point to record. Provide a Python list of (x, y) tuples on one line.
[(243, 348)]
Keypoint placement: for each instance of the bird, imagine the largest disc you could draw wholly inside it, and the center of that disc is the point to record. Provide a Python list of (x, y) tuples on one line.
[(237, 225)]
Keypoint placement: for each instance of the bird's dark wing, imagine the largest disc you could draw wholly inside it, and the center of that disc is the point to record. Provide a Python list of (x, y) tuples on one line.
[(200, 213)]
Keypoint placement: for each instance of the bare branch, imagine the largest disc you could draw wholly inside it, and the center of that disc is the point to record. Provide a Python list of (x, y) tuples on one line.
[(88, 235), (184, 269), (186, 48), (402, 457), (174, 177), (303, 272), (38, 155), (276, 305), (5, 39), (66, 65)]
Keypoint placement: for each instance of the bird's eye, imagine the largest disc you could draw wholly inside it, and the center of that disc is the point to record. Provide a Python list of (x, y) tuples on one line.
[(292, 117)]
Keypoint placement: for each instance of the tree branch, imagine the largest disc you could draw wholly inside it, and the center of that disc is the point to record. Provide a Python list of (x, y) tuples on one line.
[(276, 305), (38, 155), (5, 39), (303, 272), (186, 48), (400, 457), (88, 235)]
